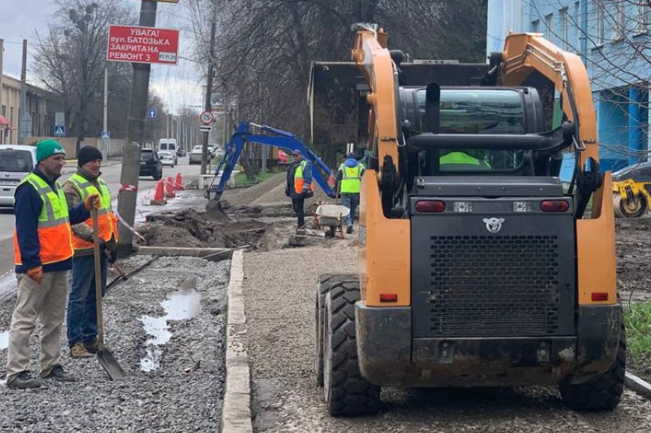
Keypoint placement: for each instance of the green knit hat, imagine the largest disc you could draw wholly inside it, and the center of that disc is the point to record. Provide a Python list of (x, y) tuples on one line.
[(47, 148)]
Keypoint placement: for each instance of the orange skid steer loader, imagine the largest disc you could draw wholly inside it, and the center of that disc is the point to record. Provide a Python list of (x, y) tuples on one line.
[(476, 266)]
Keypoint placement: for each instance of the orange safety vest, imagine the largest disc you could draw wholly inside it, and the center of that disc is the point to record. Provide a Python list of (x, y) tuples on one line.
[(105, 217), (298, 178), (54, 234)]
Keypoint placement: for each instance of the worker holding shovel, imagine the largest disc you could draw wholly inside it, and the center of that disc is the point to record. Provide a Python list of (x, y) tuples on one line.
[(43, 255), (82, 315)]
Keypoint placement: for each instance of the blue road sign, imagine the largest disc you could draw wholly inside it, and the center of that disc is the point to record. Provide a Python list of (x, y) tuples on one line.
[(106, 134), (59, 130), (152, 113)]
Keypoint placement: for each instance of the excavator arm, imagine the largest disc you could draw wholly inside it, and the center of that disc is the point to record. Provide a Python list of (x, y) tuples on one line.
[(321, 173)]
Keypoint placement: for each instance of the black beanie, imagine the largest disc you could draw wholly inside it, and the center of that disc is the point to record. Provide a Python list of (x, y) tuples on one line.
[(88, 153)]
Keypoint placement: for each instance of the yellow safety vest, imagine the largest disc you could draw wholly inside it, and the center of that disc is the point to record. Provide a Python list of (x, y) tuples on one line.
[(298, 178), (351, 181), (54, 235), (105, 216)]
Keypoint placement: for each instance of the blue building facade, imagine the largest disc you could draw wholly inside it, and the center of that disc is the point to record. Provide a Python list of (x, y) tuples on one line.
[(612, 38)]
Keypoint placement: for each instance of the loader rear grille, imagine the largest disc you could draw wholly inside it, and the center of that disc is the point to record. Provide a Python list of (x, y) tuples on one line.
[(492, 286)]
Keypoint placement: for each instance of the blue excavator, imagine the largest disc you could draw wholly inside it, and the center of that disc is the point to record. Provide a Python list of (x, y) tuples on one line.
[(267, 136)]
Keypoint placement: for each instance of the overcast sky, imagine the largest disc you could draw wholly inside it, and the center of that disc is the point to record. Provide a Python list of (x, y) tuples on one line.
[(178, 85)]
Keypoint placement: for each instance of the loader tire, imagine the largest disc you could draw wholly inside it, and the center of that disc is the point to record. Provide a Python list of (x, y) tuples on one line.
[(346, 392), (605, 392), (322, 288)]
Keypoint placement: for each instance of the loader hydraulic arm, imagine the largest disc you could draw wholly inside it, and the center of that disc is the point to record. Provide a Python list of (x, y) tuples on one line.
[(529, 53), (321, 173)]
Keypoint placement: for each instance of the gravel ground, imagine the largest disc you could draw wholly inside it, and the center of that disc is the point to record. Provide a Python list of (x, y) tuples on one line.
[(183, 390), (279, 304)]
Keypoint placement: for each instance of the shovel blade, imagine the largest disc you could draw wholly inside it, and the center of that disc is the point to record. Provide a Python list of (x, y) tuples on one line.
[(110, 364)]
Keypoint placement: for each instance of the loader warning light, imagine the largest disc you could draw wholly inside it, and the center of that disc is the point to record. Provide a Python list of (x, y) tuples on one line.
[(388, 297), (554, 205), (599, 296), (435, 206)]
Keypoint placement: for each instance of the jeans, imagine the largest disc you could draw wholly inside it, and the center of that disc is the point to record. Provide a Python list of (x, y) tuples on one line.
[(351, 201), (298, 205), (82, 310)]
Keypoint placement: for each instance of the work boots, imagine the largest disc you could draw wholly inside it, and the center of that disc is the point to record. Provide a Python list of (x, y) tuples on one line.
[(92, 347), (79, 350), (24, 380), (59, 374)]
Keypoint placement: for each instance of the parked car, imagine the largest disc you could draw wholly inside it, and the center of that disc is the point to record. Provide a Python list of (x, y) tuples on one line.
[(16, 162), (150, 164), (167, 158), (195, 155)]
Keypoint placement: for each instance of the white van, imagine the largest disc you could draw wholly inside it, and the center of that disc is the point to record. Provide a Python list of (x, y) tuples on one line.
[(16, 162), (167, 144)]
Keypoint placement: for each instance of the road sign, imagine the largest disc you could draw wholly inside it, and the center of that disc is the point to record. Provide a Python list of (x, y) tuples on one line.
[(106, 134), (142, 45), (152, 113), (59, 130), (206, 118), (205, 128)]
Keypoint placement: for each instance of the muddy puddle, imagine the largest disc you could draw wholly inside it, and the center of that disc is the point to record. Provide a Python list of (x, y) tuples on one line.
[(4, 340), (182, 305)]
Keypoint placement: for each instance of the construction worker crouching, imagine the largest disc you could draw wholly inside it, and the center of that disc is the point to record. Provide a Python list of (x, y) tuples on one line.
[(349, 185), (82, 311), (299, 186), (43, 256)]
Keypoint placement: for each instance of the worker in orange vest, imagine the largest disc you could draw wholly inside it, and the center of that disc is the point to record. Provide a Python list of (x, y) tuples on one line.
[(43, 256), (299, 186), (82, 311)]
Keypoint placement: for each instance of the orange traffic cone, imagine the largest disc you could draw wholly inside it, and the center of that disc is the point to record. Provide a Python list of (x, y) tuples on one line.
[(159, 197), (178, 183), (169, 188)]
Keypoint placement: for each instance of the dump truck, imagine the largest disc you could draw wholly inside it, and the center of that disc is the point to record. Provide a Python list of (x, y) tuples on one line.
[(477, 266)]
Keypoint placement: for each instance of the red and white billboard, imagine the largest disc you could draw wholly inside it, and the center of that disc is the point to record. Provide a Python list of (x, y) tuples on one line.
[(135, 44)]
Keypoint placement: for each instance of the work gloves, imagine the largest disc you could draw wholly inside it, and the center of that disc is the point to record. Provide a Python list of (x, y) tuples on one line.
[(91, 202), (36, 274)]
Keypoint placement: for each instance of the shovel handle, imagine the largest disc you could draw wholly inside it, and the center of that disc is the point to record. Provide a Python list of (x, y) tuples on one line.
[(98, 279)]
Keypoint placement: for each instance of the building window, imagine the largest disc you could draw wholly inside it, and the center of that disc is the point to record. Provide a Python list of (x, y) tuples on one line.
[(535, 26), (564, 29), (642, 22), (549, 26), (576, 23), (599, 17), (619, 27)]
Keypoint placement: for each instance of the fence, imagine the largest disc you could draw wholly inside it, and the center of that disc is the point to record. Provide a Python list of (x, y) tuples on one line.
[(110, 148)]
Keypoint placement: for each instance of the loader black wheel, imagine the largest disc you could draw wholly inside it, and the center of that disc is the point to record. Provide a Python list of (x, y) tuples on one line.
[(322, 288), (605, 392), (346, 392)]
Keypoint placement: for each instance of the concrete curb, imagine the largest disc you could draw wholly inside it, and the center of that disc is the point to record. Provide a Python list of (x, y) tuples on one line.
[(236, 411), (638, 385)]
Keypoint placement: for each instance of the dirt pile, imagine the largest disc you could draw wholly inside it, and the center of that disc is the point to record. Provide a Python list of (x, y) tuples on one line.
[(191, 228), (634, 257)]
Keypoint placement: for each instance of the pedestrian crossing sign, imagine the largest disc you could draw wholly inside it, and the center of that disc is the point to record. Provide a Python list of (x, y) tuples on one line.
[(59, 130), (106, 134)]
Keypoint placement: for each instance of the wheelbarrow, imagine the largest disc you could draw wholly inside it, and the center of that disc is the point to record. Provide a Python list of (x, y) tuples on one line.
[(331, 216)]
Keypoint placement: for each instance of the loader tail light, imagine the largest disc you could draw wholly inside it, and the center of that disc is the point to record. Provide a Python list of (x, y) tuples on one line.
[(599, 296), (431, 206), (554, 205), (388, 297)]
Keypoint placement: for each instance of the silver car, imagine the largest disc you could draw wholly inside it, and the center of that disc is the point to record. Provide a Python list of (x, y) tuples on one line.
[(16, 162)]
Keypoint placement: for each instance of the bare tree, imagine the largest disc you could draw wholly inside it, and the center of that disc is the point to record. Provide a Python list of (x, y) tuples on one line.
[(265, 47), (71, 55), (612, 37)]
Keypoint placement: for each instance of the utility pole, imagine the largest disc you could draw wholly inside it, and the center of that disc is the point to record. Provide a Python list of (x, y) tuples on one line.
[(24, 118), (211, 66), (105, 119), (127, 198)]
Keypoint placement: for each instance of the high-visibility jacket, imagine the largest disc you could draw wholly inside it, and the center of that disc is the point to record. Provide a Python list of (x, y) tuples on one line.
[(462, 158), (54, 234), (351, 180), (298, 178), (105, 217)]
